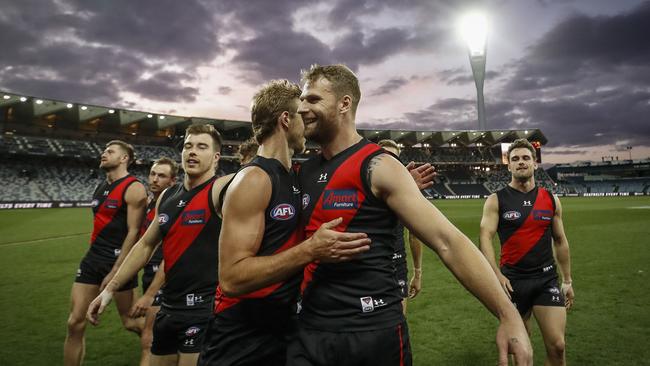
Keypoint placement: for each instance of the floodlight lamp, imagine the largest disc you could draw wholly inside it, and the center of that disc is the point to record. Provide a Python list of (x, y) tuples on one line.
[(111, 111), (6, 97), (83, 107), (474, 30), (161, 117), (39, 101), (149, 115), (69, 105), (22, 99)]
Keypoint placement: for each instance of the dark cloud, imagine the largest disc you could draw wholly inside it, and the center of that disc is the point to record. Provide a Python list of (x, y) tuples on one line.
[(224, 90), (565, 152), (95, 50), (390, 86)]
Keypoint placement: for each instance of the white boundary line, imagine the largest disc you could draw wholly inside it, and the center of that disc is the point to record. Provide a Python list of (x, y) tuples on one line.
[(17, 243)]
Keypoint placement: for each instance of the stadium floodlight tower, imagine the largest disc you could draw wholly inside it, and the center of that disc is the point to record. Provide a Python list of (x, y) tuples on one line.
[(474, 30)]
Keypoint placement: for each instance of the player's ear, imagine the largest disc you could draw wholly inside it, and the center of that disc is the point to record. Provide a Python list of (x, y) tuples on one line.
[(283, 120), (346, 104)]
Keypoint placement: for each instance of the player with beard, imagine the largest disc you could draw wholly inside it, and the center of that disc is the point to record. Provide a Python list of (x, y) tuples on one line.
[(261, 254), (118, 208), (351, 312), (162, 175), (529, 222), (188, 227)]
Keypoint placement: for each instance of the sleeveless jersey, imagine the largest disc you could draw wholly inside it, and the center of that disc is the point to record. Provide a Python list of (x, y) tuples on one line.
[(399, 257), (109, 221), (280, 233), (362, 294), (525, 231), (157, 256), (190, 230)]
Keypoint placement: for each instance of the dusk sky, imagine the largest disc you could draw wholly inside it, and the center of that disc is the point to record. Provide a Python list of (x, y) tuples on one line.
[(578, 70)]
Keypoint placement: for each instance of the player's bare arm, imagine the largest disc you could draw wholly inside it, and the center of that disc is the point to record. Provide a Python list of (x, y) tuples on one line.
[(135, 198), (242, 230), (144, 302), (135, 260), (489, 224), (415, 285), (391, 182), (562, 254)]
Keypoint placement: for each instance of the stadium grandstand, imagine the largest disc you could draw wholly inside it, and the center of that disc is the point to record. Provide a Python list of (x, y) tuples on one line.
[(50, 151)]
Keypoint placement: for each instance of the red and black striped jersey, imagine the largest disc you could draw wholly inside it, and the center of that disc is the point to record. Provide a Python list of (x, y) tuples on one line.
[(189, 227), (149, 217), (362, 294), (525, 230), (280, 233), (109, 223)]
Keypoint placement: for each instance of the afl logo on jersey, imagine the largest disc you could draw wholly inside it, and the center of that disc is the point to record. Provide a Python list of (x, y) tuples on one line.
[(162, 219), (511, 215), (283, 211)]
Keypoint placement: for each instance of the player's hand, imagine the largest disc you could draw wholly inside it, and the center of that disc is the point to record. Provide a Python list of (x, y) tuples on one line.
[(512, 339), (141, 306), (569, 296), (416, 284), (97, 306), (422, 175), (505, 284), (329, 245)]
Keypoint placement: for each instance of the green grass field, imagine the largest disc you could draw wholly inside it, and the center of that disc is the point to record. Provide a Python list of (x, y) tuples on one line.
[(610, 324)]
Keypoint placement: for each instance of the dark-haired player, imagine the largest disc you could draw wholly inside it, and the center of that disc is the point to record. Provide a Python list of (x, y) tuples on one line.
[(528, 220), (118, 208)]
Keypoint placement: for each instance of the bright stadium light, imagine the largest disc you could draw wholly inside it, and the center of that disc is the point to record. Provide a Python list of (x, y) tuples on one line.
[(69, 105), (83, 107), (474, 29), (149, 115), (39, 101), (22, 99), (6, 97), (111, 111), (161, 117)]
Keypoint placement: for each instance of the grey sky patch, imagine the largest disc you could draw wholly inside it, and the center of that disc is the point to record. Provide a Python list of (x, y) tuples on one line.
[(390, 86)]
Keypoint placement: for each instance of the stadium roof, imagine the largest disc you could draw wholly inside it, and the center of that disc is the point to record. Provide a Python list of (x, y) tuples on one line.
[(76, 115)]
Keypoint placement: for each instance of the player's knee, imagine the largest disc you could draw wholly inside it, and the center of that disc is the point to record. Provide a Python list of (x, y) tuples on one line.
[(132, 325), (557, 348), (76, 324)]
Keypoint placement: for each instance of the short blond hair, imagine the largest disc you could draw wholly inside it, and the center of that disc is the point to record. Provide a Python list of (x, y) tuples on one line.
[(275, 98), (390, 144)]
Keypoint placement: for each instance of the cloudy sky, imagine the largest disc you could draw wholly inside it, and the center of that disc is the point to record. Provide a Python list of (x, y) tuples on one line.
[(579, 70)]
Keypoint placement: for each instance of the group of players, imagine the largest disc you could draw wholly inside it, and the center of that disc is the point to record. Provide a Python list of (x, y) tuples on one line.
[(269, 266)]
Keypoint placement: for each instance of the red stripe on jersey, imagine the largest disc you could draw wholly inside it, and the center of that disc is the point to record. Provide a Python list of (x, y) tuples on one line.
[(349, 170), (148, 219), (223, 302), (528, 235), (104, 214), (180, 236)]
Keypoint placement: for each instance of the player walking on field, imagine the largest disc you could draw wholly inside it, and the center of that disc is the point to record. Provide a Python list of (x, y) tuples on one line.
[(528, 220), (118, 208)]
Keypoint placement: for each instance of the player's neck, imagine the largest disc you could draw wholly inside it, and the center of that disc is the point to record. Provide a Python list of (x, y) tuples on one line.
[(276, 147), (191, 182), (524, 186), (115, 174), (344, 138)]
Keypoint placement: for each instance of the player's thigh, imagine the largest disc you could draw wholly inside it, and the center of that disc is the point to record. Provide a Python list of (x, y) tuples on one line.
[(188, 359), (552, 322), (124, 301), (81, 295), (165, 360), (150, 317)]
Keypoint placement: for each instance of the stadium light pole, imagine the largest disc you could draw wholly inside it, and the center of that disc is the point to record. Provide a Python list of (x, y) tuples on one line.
[(474, 30)]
